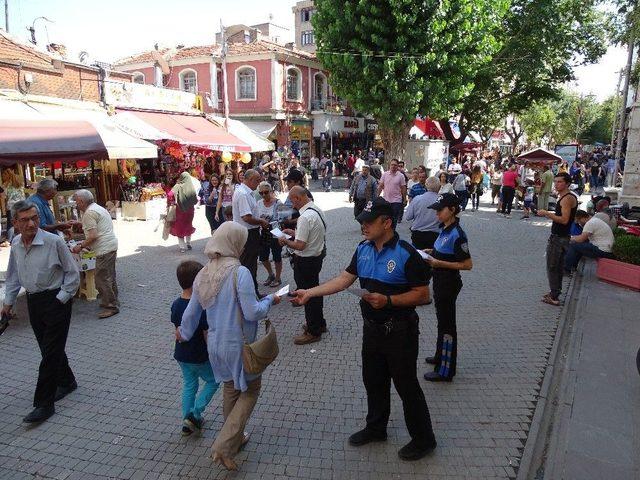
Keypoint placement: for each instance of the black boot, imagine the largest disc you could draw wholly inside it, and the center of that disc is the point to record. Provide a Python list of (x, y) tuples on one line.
[(39, 414), (365, 436), (415, 451)]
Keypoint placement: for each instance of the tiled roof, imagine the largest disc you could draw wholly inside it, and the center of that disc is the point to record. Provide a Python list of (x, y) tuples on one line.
[(13, 50), (259, 46)]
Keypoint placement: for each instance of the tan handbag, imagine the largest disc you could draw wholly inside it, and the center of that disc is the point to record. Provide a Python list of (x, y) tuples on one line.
[(256, 356), (171, 214)]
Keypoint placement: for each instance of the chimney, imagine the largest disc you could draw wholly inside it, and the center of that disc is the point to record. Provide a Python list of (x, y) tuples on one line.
[(57, 49)]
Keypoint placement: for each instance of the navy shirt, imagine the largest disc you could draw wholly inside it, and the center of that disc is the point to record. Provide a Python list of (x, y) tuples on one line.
[(451, 246), (195, 350), (395, 269)]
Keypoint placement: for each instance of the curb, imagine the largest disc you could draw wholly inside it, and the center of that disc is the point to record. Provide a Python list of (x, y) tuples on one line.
[(540, 429)]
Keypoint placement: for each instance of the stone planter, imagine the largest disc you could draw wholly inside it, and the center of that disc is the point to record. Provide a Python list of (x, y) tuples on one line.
[(620, 273)]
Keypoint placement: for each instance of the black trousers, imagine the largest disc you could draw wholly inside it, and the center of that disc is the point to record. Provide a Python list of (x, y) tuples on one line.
[(50, 322), (423, 240), (358, 206), (445, 293), (249, 257), (508, 193), (306, 273), (393, 356)]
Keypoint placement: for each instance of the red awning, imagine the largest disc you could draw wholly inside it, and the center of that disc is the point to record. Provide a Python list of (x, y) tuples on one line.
[(429, 128), (539, 156), (40, 141), (193, 130)]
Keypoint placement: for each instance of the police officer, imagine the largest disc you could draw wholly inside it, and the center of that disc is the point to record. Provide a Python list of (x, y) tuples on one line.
[(450, 254), (396, 277)]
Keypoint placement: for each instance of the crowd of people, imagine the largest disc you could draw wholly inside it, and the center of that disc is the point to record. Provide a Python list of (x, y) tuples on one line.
[(217, 314)]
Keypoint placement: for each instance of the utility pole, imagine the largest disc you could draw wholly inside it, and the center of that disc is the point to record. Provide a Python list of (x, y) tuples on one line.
[(623, 110), (617, 109), (224, 76), (6, 15)]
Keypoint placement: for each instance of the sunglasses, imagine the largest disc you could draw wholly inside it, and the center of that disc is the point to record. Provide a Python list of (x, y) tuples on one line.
[(265, 192)]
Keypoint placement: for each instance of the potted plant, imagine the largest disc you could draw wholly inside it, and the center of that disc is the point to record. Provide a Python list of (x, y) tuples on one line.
[(625, 269)]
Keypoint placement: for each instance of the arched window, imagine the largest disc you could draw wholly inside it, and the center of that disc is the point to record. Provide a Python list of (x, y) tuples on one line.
[(138, 77), (188, 81), (294, 84), (320, 90), (246, 83)]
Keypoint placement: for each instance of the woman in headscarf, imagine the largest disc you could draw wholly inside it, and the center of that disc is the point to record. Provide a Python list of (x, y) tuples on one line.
[(183, 196), (225, 290)]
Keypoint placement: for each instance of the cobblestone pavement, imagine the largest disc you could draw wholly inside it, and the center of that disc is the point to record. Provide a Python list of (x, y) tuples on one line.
[(124, 420)]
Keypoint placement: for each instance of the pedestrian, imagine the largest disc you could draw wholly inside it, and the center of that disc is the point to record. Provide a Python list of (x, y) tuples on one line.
[(183, 198), (529, 194), (268, 207), (450, 254), (477, 187), (363, 189), (223, 289), (426, 226), (245, 213), (295, 165), (396, 280), (41, 263), (393, 187), (358, 164), (460, 187), (418, 188), (562, 218), (376, 169), (509, 184), (545, 188), (314, 167), (445, 186), (413, 179), (327, 175), (595, 241), (496, 186), (97, 226), (192, 356), (309, 251), (46, 190), (225, 195), (208, 196), (13, 190)]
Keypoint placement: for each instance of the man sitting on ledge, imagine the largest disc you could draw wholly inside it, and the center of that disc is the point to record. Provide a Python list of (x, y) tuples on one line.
[(595, 241)]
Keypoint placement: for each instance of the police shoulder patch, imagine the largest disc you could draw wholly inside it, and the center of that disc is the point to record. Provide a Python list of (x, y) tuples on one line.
[(391, 265), (464, 247)]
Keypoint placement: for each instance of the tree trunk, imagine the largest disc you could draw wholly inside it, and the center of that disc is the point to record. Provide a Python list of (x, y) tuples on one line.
[(395, 140)]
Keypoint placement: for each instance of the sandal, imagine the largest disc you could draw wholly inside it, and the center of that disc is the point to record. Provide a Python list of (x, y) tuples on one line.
[(551, 301), (269, 279), (275, 283)]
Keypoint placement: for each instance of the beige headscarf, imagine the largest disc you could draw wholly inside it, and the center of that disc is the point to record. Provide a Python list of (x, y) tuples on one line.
[(224, 250)]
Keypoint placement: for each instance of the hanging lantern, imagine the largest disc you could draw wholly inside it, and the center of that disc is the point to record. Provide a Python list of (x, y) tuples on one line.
[(226, 157), (246, 157)]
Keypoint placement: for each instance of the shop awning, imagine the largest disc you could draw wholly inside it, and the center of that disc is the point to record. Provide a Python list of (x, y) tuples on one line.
[(262, 128), (119, 144), (35, 141), (192, 130), (258, 143), (539, 156)]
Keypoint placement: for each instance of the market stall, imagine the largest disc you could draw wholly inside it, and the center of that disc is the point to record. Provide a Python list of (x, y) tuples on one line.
[(538, 158)]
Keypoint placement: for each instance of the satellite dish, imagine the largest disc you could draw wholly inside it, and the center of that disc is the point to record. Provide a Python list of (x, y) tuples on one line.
[(161, 61), (84, 57)]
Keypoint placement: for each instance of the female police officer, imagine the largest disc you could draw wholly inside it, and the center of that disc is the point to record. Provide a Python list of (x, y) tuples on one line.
[(450, 254), (392, 271)]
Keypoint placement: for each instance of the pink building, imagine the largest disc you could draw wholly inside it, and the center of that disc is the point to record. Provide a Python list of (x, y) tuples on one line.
[(274, 89)]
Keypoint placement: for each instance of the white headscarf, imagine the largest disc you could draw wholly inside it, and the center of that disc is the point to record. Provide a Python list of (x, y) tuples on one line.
[(224, 250)]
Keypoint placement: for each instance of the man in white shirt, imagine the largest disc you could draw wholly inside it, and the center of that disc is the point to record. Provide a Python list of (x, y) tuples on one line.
[(309, 246), (245, 212), (357, 167), (99, 237), (595, 241)]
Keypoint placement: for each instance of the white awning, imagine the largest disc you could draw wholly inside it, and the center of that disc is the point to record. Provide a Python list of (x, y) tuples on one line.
[(119, 144), (258, 143), (263, 128)]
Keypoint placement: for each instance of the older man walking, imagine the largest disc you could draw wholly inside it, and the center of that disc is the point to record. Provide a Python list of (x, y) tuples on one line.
[(42, 264), (245, 212), (426, 226), (363, 189), (99, 237), (46, 190), (393, 188)]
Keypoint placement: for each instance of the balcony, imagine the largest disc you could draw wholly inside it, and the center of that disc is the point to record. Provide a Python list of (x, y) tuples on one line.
[(330, 104)]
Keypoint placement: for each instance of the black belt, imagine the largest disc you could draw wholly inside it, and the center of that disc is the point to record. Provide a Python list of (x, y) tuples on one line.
[(43, 293), (560, 236), (392, 324)]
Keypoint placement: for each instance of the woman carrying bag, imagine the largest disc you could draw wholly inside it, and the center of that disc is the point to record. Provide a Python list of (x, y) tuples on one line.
[(224, 289), (183, 198)]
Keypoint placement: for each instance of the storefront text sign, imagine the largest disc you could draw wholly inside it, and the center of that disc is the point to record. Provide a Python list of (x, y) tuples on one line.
[(148, 97)]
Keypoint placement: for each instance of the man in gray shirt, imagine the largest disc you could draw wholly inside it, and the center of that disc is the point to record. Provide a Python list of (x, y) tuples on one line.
[(426, 226), (42, 263)]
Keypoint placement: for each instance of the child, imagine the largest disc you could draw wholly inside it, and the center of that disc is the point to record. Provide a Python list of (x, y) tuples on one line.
[(192, 356), (529, 193)]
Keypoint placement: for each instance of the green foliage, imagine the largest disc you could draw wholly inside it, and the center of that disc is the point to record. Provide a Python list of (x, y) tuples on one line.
[(397, 58), (626, 249)]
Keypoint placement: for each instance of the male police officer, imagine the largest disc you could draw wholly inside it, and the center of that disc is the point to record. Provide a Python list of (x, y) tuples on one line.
[(392, 271)]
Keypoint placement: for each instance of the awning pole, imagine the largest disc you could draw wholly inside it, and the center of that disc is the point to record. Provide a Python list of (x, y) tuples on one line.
[(224, 76)]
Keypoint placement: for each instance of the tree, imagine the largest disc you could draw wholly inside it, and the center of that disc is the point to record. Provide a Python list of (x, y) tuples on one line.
[(397, 58), (541, 43)]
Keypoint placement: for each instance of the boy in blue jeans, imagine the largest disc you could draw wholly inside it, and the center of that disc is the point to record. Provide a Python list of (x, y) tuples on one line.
[(192, 356)]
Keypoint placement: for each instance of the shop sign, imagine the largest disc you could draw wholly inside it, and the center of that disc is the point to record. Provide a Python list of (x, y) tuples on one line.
[(350, 123), (569, 153), (148, 97), (372, 126), (300, 132)]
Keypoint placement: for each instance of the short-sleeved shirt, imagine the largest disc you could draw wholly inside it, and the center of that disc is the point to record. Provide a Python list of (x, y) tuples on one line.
[(509, 178), (244, 203), (450, 246), (393, 183), (600, 234), (394, 270), (547, 179), (416, 190), (311, 230), (195, 350), (99, 219)]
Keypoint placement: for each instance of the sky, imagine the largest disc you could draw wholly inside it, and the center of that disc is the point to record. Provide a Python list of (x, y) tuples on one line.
[(112, 29)]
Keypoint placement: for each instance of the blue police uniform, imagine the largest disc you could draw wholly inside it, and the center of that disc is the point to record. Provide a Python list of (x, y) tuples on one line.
[(450, 246), (390, 337)]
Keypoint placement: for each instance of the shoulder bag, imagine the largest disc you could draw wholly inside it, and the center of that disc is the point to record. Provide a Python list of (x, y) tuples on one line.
[(256, 356)]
